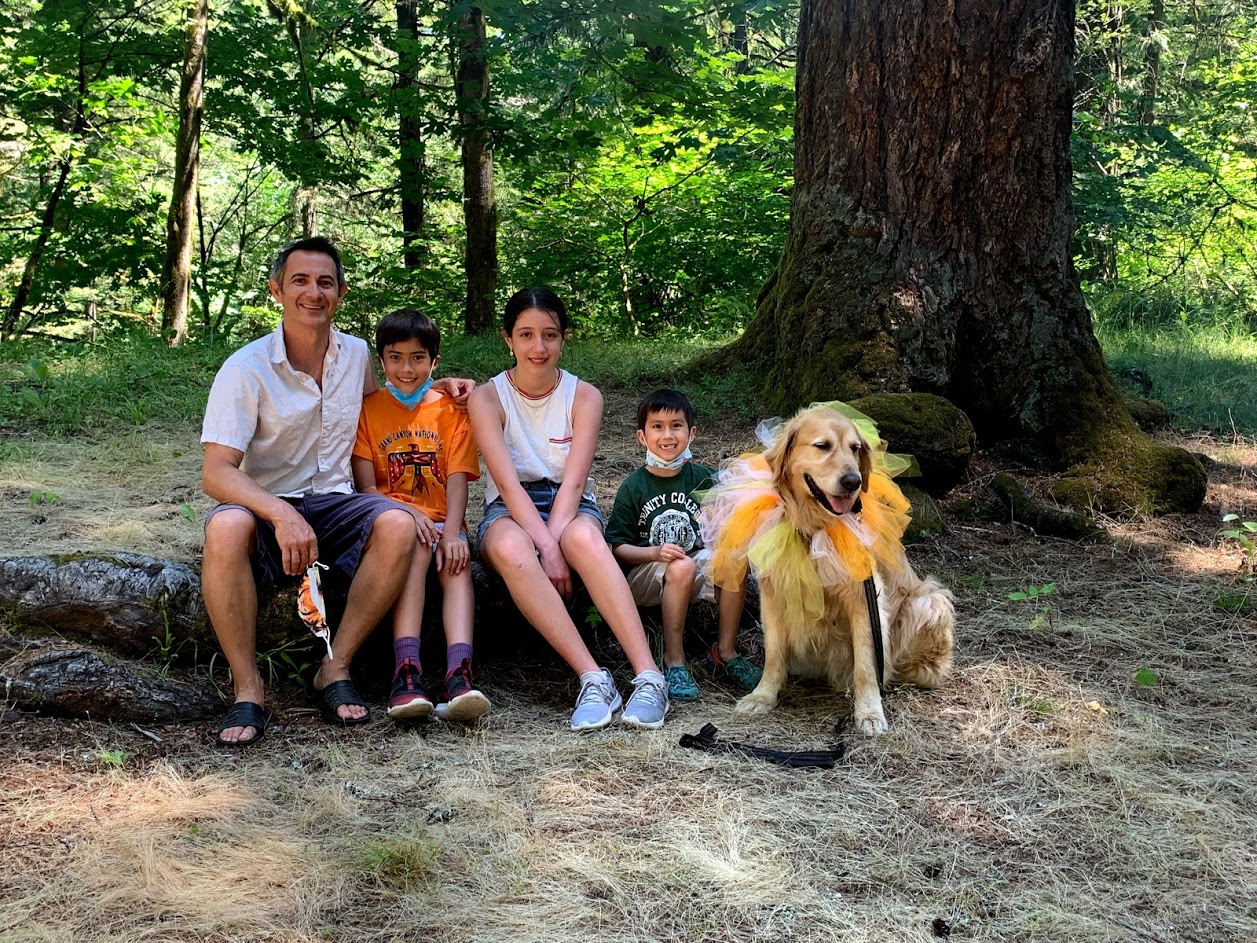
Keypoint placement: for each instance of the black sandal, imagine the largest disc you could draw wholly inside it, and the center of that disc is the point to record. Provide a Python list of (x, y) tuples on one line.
[(336, 694), (243, 714)]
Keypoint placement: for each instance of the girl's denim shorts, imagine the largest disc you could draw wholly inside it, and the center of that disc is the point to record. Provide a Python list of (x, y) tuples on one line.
[(542, 494)]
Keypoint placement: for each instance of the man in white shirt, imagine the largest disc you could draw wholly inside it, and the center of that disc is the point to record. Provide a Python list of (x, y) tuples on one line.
[(278, 436)]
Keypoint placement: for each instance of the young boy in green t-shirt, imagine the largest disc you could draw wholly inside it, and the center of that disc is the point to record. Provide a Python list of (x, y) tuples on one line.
[(654, 531)]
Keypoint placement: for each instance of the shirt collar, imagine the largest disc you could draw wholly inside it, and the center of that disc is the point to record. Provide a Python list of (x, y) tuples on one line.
[(279, 350)]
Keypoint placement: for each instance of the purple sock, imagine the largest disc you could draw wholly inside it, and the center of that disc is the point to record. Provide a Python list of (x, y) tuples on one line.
[(454, 656), (405, 649)]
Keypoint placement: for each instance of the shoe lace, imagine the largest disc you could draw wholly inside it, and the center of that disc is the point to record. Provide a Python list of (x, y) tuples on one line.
[(593, 691), (460, 679), (650, 692)]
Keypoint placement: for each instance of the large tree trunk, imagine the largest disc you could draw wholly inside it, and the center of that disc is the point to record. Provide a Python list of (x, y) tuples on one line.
[(177, 269), (410, 143), (479, 208), (929, 244)]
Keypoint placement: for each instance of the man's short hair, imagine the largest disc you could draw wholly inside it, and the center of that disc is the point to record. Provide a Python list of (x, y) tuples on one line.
[(407, 324), (312, 244), (671, 401)]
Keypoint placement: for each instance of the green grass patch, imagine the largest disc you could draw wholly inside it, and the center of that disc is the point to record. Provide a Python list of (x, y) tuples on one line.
[(1206, 374), (129, 380), (400, 862), (57, 390)]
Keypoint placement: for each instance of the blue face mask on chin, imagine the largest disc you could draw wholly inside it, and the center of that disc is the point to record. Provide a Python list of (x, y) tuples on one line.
[(414, 399), (654, 461)]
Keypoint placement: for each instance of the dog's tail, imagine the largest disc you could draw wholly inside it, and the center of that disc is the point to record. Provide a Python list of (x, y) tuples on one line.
[(923, 625)]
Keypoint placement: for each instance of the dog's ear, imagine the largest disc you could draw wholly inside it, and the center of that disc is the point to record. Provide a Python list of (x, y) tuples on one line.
[(866, 464), (778, 455)]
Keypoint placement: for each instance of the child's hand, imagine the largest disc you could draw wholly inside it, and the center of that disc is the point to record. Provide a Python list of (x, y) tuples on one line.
[(666, 553), (452, 553), (557, 572)]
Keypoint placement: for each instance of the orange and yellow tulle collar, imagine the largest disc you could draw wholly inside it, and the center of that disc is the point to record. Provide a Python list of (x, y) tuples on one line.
[(743, 521)]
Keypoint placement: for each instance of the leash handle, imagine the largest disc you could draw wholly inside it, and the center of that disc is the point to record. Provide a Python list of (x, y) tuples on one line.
[(706, 740)]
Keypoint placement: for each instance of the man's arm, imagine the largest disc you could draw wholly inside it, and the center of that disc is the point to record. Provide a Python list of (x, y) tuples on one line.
[(223, 480), (456, 389)]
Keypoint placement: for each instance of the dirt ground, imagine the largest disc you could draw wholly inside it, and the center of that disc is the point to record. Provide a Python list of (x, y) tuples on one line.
[(1088, 772)]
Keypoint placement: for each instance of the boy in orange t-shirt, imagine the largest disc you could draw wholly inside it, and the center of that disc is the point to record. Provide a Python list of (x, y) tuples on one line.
[(415, 446)]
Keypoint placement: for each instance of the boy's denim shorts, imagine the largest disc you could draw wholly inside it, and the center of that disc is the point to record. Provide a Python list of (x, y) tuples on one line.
[(542, 494)]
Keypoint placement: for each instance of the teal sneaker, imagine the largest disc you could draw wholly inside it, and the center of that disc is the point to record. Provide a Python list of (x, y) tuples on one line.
[(681, 684), (743, 672)]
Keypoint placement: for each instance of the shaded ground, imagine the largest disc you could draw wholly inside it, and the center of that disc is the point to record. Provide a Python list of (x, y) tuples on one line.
[(1041, 794)]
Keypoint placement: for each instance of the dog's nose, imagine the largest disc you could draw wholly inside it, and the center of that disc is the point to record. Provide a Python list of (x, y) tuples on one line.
[(850, 481)]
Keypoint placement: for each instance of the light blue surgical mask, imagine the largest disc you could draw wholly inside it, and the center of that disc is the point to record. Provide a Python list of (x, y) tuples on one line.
[(414, 399), (654, 461)]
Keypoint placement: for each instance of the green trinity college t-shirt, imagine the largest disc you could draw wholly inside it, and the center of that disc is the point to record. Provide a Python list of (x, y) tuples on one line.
[(650, 510)]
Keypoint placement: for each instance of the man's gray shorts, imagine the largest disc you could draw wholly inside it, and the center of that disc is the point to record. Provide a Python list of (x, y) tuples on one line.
[(341, 524)]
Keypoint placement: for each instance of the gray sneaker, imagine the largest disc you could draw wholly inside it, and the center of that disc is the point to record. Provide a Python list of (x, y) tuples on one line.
[(648, 704), (597, 702)]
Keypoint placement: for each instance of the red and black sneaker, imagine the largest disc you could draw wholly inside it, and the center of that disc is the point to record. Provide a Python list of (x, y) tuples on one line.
[(408, 700), (462, 700)]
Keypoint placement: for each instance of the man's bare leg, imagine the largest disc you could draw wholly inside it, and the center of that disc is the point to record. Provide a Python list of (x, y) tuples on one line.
[(382, 572), (231, 602)]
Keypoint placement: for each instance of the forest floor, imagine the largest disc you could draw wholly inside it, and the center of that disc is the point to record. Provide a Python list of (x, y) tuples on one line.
[(1088, 772)]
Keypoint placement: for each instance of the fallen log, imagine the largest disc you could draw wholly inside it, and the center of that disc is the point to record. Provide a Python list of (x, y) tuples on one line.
[(129, 602), (82, 683)]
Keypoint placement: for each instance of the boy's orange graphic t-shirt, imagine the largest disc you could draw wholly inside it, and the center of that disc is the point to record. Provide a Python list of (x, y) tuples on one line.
[(414, 451)]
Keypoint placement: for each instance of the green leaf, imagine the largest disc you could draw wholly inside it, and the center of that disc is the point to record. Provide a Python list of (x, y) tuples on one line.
[(1146, 677)]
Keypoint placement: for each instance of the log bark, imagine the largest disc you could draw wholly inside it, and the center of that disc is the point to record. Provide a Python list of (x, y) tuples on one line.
[(127, 601), (929, 244), (81, 683)]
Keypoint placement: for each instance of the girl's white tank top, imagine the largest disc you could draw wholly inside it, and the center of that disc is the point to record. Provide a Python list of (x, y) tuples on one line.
[(538, 432)]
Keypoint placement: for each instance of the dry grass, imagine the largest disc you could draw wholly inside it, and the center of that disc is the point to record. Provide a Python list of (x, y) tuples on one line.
[(1042, 794)]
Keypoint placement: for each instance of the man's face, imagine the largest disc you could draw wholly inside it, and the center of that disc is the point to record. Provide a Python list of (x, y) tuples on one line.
[(308, 293)]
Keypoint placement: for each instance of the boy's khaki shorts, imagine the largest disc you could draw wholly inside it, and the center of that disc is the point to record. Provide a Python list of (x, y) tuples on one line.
[(646, 581)]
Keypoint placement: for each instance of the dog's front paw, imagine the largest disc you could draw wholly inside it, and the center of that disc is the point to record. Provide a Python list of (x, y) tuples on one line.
[(757, 702), (870, 720)]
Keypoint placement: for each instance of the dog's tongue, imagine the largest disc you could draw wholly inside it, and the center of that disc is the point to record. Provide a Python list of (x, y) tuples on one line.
[(840, 505)]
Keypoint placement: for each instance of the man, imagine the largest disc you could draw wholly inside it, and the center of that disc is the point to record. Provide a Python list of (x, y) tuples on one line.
[(278, 436)]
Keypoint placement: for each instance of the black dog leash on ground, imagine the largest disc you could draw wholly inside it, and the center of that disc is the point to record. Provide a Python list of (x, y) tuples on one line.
[(875, 622), (706, 740)]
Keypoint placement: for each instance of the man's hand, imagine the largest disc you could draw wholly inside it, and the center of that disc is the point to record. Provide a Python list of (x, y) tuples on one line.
[(666, 553), (455, 388), (297, 543), (452, 553)]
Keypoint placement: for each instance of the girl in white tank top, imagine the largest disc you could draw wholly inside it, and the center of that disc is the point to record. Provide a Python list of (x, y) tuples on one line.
[(537, 428)]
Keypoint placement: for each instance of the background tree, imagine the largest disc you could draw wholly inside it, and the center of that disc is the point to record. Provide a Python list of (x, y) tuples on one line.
[(480, 212), (930, 237), (177, 270)]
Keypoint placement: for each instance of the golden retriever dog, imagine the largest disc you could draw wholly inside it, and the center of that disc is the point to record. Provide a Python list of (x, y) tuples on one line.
[(820, 467)]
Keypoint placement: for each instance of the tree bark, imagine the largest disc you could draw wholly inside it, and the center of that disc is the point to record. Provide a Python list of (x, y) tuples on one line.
[(1152, 63), (81, 683), (479, 208), (410, 143), (929, 244), (177, 269)]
